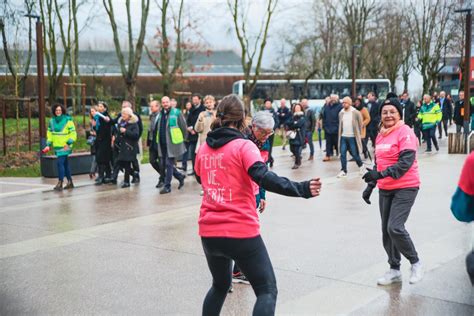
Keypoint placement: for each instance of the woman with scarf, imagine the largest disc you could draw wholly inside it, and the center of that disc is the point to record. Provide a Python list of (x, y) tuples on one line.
[(396, 175), (296, 133), (127, 138), (103, 143), (61, 136)]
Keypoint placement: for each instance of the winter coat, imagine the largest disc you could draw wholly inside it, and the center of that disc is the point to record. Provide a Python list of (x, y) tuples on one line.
[(374, 116), (139, 123), (192, 119), (356, 125), (430, 115), (203, 124), (446, 109), (151, 136), (310, 124), (61, 132), (458, 109), (331, 118), (128, 141), (297, 124), (410, 112), (173, 150), (365, 120), (103, 141), (284, 116)]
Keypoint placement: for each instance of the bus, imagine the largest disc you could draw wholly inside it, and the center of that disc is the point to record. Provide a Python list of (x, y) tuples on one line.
[(317, 90)]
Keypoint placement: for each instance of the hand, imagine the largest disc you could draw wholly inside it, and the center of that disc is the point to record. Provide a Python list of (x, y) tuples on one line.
[(367, 193), (45, 150), (263, 205), (66, 147), (123, 130), (315, 186), (107, 119), (372, 175), (190, 129)]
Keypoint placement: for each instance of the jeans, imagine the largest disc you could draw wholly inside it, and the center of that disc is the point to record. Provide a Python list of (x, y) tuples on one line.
[(395, 206), (441, 125), (309, 135), (63, 168), (349, 143), (331, 142), (430, 136), (251, 255), (190, 153), (154, 162)]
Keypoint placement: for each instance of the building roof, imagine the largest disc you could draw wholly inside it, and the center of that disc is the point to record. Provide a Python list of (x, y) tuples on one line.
[(106, 63)]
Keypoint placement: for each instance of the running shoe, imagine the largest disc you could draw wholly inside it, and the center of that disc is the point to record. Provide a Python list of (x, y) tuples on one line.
[(341, 174), (416, 273), (239, 277), (390, 277)]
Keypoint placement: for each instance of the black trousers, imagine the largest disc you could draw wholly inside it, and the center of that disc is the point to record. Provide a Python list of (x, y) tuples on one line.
[(331, 143), (155, 163), (126, 165), (441, 125), (251, 255)]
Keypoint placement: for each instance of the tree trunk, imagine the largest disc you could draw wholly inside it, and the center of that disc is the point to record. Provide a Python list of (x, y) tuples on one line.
[(132, 92)]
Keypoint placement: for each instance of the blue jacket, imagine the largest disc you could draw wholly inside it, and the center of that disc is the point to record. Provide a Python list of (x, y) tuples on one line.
[(331, 118)]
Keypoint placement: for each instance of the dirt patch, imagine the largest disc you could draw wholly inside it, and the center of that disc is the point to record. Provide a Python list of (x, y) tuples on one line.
[(17, 160)]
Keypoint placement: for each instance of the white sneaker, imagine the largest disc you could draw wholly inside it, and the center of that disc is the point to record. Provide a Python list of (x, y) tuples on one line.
[(341, 174), (201, 193), (392, 276), (362, 170), (416, 273)]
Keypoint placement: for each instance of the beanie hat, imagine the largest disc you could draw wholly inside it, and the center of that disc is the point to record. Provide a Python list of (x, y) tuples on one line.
[(395, 103)]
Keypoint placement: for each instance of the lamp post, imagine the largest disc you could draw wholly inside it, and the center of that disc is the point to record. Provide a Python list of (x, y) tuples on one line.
[(467, 63), (40, 75), (353, 90)]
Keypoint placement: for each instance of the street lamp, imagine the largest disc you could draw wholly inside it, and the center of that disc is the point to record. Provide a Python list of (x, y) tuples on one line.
[(40, 75), (353, 90)]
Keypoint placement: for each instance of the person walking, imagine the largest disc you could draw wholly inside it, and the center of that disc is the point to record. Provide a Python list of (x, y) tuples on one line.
[(128, 136), (350, 136), (409, 110), (362, 108), (396, 175), (152, 143), (205, 119), (447, 114), (330, 118), (373, 127), (226, 166), (310, 126), (268, 107), (192, 138), (430, 115), (171, 131), (91, 138), (458, 116), (184, 159), (296, 133), (103, 143), (135, 162), (61, 136), (284, 115)]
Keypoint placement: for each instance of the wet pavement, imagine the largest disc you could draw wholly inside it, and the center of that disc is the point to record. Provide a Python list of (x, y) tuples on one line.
[(104, 250)]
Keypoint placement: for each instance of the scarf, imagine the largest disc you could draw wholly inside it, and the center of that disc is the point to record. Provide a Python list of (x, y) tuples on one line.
[(386, 131), (59, 122), (254, 140)]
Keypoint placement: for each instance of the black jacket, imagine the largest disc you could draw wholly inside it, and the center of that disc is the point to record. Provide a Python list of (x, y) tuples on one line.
[(259, 172), (103, 141), (284, 116), (446, 109), (298, 124), (330, 116), (139, 123), (128, 141), (457, 117), (374, 116), (151, 135), (310, 122), (410, 112), (192, 119)]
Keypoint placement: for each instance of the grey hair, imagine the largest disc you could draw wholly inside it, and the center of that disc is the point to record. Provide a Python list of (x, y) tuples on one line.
[(263, 119)]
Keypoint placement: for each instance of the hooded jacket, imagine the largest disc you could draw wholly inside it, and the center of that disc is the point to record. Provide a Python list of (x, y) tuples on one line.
[(128, 141)]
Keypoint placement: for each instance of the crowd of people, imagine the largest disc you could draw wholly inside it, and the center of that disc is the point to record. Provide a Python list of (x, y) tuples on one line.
[(231, 156)]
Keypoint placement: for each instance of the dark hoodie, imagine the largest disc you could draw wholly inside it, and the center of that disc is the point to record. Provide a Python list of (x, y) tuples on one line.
[(259, 172)]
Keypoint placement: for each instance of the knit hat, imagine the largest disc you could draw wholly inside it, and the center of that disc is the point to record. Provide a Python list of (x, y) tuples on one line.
[(395, 103)]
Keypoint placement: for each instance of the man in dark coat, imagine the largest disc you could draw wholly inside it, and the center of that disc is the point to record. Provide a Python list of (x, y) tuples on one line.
[(330, 119), (409, 110), (373, 127), (447, 110), (152, 143), (310, 126), (103, 144), (193, 136), (458, 116), (284, 117)]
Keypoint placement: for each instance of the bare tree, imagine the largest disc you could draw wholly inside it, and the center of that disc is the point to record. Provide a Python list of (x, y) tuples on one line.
[(130, 71), (431, 24), (252, 48), (172, 52)]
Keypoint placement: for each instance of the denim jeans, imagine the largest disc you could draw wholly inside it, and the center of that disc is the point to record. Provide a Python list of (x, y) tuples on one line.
[(169, 168), (349, 143), (430, 136), (63, 168), (309, 135)]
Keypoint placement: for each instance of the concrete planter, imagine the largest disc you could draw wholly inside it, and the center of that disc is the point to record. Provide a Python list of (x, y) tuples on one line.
[(79, 163)]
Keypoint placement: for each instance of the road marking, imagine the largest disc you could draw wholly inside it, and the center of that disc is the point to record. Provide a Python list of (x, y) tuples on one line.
[(25, 184)]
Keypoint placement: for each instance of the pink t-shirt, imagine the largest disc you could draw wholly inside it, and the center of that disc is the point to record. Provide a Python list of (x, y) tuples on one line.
[(228, 206), (387, 151), (466, 182)]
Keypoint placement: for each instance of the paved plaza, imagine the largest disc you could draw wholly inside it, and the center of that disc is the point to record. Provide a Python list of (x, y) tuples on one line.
[(104, 250)]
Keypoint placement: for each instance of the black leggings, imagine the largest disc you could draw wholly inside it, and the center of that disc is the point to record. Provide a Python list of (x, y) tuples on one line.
[(251, 255)]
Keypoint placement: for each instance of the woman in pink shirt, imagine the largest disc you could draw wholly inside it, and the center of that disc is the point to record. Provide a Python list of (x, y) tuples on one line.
[(396, 175), (227, 165)]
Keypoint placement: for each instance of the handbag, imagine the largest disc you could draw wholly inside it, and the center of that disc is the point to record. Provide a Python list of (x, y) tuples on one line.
[(291, 134)]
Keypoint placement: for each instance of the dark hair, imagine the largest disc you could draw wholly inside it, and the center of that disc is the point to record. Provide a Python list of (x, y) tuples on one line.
[(196, 95), (230, 111), (268, 100), (294, 107), (104, 104), (58, 105)]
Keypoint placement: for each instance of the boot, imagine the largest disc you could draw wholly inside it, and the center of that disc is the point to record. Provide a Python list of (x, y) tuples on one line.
[(136, 177), (69, 185), (311, 157), (298, 161), (99, 180), (59, 186)]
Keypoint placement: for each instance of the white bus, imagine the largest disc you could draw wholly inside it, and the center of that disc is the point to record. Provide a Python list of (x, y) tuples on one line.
[(317, 90)]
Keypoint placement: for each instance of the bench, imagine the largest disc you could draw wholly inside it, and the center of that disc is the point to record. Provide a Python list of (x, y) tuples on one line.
[(79, 163)]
